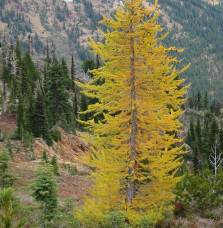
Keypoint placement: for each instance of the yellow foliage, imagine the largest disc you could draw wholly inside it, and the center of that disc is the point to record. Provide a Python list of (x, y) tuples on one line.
[(91, 214), (136, 156), (155, 215)]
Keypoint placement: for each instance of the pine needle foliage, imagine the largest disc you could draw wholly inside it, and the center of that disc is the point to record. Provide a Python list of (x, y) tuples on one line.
[(136, 157), (45, 191), (44, 157), (9, 209), (6, 178), (55, 166)]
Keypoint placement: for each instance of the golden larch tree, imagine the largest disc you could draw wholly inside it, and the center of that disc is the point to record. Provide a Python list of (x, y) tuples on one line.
[(136, 153)]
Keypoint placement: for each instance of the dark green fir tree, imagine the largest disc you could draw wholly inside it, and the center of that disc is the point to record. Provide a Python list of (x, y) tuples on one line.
[(29, 113), (6, 178), (87, 66), (83, 107), (5, 77), (97, 62), (206, 102), (213, 132), (44, 157), (191, 134), (18, 54), (20, 116), (40, 125), (66, 79), (32, 73), (199, 101), (198, 134), (74, 87), (10, 215), (57, 98), (45, 191), (25, 87), (195, 158), (190, 102), (55, 165)]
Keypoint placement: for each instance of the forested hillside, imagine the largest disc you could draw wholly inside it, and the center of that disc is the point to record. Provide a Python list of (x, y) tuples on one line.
[(194, 25), (197, 27)]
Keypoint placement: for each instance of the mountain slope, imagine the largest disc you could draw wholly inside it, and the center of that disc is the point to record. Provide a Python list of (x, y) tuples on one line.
[(195, 25), (198, 28)]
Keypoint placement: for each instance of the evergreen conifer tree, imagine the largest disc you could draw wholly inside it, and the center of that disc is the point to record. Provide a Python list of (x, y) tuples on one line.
[(83, 107), (206, 102), (199, 101), (9, 210), (18, 53), (45, 191), (25, 87), (74, 87), (25, 102), (87, 66), (97, 66), (6, 179), (215, 107), (9, 147), (44, 157), (6, 79), (66, 78), (191, 134), (20, 116), (14, 91), (57, 96), (190, 102), (32, 74), (195, 158), (206, 145), (40, 125), (46, 79), (28, 113), (48, 60), (17, 72), (198, 134), (6, 75), (73, 73), (55, 165), (213, 132)]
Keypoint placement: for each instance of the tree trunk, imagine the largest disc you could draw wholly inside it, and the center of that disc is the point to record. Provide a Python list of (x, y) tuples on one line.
[(131, 183)]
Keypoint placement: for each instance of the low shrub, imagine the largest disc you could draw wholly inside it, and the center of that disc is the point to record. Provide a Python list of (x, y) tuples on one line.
[(72, 169), (28, 139), (198, 193), (115, 218)]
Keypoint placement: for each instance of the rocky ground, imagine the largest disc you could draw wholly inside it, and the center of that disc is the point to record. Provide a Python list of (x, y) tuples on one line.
[(68, 151)]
